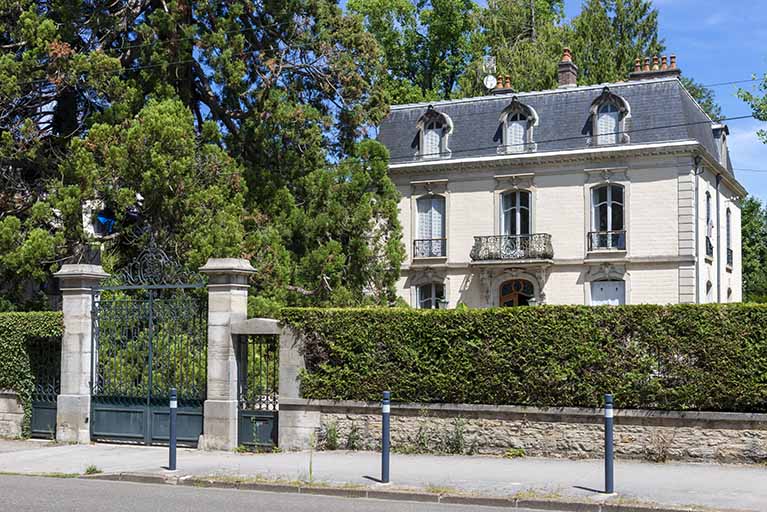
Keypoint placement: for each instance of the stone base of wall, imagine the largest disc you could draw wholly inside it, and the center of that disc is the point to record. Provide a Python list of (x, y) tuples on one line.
[(11, 414), (552, 432)]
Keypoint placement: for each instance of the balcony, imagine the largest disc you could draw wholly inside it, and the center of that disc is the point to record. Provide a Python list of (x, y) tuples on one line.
[(607, 241), (430, 248), (512, 247), (709, 247)]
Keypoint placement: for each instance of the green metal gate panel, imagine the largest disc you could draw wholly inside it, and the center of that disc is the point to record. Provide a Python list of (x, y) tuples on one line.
[(150, 335), (258, 358), (45, 362)]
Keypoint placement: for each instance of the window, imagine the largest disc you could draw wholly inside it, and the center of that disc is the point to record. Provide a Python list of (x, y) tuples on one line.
[(608, 232), (728, 236), (608, 120), (434, 128), (608, 117), (516, 133), (515, 213), (431, 240), (709, 228), (608, 293), (432, 139), (517, 122), (431, 295)]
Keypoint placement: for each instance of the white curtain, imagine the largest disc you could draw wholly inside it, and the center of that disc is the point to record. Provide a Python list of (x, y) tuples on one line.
[(431, 142), (607, 127), (515, 136)]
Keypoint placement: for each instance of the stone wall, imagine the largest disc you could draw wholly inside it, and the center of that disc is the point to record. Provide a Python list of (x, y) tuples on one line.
[(553, 432), (11, 414)]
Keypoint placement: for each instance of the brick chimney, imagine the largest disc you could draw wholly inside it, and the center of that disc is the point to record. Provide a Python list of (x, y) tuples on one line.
[(660, 68), (568, 71)]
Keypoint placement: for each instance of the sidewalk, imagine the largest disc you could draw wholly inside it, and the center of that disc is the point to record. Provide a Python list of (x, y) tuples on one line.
[(705, 485)]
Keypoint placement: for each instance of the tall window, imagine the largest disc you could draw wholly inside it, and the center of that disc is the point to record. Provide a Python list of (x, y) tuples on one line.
[(430, 295), (608, 231), (728, 236), (431, 240), (432, 139), (515, 213), (608, 122), (516, 133), (709, 227)]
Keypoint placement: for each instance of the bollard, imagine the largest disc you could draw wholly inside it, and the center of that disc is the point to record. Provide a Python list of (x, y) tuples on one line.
[(609, 475), (172, 428), (385, 410)]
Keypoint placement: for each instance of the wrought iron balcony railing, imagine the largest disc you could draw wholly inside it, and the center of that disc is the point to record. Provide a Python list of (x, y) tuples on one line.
[(430, 248), (709, 247), (729, 257), (607, 240), (512, 247)]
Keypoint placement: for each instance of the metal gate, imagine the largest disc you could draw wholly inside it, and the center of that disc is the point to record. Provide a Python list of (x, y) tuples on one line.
[(45, 363), (149, 335), (258, 379)]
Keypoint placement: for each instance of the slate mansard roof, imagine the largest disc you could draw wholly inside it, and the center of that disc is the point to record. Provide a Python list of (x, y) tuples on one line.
[(661, 110)]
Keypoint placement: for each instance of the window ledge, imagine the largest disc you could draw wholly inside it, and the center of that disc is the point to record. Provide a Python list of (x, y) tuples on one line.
[(709, 259), (598, 253), (429, 259), (728, 268)]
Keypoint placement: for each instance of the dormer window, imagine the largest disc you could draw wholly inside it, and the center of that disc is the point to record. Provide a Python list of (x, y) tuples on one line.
[(434, 128), (609, 113), (517, 122)]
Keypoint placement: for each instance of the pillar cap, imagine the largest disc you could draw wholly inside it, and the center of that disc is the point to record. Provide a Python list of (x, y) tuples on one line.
[(81, 271), (230, 266)]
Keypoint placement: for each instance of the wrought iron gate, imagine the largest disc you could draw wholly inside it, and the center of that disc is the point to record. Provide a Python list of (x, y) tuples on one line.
[(150, 335), (258, 379), (45, 362)]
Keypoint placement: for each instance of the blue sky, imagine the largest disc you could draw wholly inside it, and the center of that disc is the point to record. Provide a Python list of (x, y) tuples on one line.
[(715, 42)]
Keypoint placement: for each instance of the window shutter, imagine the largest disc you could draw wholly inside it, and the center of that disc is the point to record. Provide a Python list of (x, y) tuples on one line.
[(424, 218), (431, 142), (438, 218), (515, 136), (607, 126)]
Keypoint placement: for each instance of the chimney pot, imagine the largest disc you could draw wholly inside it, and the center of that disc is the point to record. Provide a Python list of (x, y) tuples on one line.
[(637, 65), (507, 83), (646, 66), (664, 62), (661, 67), (673, 61), (655, 66), (568, 71), (499, 82)]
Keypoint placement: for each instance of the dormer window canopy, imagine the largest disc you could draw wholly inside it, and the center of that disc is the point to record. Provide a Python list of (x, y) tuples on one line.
[(521, 110), (609, 98)]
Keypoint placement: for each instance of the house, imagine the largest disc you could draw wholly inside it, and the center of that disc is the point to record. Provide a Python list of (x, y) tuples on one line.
[(619, 193)]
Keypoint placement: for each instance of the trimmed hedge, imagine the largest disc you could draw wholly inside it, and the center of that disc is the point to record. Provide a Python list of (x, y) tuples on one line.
[(686, 357), (16, 331)]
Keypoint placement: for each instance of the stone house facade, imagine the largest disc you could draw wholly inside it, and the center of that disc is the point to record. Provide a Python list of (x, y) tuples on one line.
[(620, 193)]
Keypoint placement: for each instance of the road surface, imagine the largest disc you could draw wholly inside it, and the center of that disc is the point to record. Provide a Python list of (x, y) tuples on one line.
[(28, 493)]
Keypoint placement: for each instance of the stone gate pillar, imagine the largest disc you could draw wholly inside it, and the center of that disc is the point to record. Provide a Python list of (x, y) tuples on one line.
[(227, 304), (73, 407)]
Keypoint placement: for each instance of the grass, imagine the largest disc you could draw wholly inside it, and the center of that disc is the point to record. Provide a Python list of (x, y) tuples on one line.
[(46, 475), (92, 470)]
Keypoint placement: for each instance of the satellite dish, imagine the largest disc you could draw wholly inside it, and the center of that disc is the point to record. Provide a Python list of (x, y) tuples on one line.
[(490, 82)]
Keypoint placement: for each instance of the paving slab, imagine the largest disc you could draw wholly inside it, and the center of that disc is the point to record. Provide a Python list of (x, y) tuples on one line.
[(712, 485)]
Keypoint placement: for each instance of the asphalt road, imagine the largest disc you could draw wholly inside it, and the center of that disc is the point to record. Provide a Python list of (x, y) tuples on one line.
[(27, 493)]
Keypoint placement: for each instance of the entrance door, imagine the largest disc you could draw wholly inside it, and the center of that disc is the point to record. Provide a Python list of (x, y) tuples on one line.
[(608, 293), (516, 292)]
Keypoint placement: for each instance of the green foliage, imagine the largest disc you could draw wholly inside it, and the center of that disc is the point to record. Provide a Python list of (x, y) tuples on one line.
[(705, 98), (753, 219), (685, 357), (757, 100), (92, 469), (331, 437), (16, 331)]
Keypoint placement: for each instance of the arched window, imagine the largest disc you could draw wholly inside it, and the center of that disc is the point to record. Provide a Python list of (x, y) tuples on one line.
[(431, 295), (515, 213), (609, 112), (434, 128), (517, 122), (607, 221), (430, 227)]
